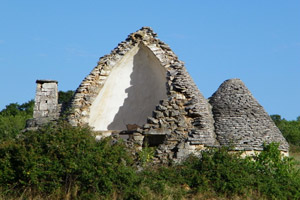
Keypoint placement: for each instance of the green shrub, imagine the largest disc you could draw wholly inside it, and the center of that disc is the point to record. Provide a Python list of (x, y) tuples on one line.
[(223, 172), (64, 157), (276, 176), (267, 173), (146, 155)]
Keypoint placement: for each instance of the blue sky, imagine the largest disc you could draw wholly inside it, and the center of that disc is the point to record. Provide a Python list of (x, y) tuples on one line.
[(256, 41)]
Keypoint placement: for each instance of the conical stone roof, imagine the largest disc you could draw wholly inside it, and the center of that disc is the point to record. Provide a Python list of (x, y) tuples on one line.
[(240, 120)]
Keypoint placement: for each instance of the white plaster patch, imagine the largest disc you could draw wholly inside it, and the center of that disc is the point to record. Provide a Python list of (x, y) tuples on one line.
[(131, 92)]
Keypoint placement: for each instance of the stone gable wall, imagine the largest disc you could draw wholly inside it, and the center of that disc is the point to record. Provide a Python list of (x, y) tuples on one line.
[(185, 116)]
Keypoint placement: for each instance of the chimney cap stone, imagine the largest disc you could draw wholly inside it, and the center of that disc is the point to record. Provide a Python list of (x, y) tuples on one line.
[(46, 81)]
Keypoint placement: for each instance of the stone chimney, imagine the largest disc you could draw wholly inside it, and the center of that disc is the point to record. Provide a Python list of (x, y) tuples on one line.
[(46, 106)]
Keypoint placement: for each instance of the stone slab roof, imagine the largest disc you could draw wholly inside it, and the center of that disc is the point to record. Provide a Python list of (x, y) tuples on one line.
[(240, 120)]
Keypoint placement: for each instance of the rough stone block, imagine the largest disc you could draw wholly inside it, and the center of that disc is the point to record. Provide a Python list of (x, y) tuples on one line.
[(138, 138)]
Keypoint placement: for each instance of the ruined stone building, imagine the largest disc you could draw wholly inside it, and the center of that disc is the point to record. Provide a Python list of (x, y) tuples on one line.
[(143, 93)]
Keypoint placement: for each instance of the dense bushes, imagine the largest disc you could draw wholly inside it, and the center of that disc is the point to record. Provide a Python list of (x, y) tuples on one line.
[(229, 174), (67, 159), (61, 162), (219, 172)]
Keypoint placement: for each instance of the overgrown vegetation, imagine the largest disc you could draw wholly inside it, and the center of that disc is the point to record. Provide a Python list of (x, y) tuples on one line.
[(266, 175), (63, 162), (67, 160)]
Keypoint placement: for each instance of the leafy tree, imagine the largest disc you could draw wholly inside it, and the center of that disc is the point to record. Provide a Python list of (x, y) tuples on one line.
[(27, 107), (289, 129), (276, 118), (65, 97), (13, 118), (11, 109), (16, 109)]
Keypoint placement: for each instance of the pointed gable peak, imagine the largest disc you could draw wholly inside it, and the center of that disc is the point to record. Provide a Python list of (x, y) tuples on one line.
[(141, 54), (144, 34), (143, 82)]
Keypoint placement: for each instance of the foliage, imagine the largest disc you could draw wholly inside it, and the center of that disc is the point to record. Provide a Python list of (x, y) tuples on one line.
[(146, 155), (13, 118), (276, 174), (14, 109), (289, 129), (62, 156), (227, 174), (65, 98), (67, 161)]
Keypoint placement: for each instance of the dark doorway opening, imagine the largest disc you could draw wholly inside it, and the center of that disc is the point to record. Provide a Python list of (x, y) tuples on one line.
[(153, 140)]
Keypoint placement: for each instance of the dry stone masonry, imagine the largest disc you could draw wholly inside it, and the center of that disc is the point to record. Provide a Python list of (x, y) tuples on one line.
[(240, 120), (46, 106), (142, 93)]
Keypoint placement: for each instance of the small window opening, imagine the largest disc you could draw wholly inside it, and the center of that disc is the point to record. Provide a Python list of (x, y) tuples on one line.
[(153, 140)]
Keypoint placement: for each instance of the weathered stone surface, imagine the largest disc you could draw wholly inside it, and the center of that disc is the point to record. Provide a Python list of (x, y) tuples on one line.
[(240, 120), (46, 106)]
